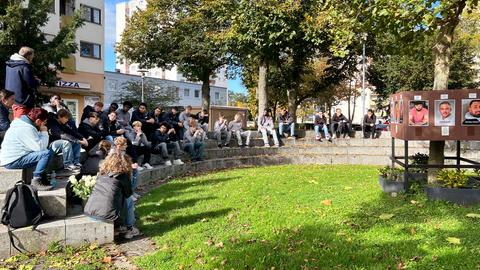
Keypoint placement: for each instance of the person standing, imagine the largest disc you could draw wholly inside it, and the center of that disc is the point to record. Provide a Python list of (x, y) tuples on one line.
[(20, 80)]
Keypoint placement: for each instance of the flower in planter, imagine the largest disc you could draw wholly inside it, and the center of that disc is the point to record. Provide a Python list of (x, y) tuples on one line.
[(83, 187)]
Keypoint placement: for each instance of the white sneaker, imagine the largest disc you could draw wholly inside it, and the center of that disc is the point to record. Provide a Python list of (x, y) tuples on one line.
[(178, 162), (140, 168), (147, 166), (334, 136), (120, 230), (136, 195), (132, 232), (347, 137), (266, 146), (168, 163)]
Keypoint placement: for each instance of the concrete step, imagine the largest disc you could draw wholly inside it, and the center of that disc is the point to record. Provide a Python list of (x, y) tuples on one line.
[(10, 177), (72, 231), (54, 202)]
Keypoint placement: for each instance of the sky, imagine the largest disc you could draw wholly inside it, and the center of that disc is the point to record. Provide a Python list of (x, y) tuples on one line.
[(234, 85)]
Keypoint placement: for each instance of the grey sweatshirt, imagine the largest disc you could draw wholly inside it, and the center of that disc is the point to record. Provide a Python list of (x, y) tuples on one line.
[(235, 126), (189, 136), (221, 126)]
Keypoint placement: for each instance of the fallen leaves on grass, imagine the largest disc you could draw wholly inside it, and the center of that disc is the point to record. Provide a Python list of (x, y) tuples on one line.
[(347, 188), (454, 240), (327, 202), (313, 182), (386, 216)]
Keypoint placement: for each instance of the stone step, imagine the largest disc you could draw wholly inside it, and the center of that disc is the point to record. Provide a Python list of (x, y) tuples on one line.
[(54, 202), (10, 177), (72, 231)]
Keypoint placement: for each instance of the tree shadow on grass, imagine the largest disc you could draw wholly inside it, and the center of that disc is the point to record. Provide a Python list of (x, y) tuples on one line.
[(361, 241)]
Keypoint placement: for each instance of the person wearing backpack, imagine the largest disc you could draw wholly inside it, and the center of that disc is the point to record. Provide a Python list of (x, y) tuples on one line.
[(109, 197), (25, 145)]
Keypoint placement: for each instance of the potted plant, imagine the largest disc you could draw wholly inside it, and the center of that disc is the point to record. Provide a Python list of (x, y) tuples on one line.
[(455, 186), (391, 179), (83, 187)]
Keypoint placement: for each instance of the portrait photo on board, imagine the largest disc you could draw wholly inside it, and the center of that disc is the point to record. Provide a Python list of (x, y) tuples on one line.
[(445, 112), (393, 117), (471, 112), (418, 113), (399, 111)]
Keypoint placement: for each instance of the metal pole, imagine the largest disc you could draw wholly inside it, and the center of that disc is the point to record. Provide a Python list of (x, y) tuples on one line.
[(458, 155), (143, 78), (405, 174), (393, 152), (363, 77)]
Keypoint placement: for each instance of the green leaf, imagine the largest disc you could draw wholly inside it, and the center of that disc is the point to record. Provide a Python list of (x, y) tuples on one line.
[(473, 215)]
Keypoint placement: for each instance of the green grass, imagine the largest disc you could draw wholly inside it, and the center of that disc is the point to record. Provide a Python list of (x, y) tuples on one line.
[(261, 218)]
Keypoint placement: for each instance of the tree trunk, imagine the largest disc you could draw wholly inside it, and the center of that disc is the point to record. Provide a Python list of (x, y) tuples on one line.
[(262, 86), (292, 103), (442, 52), (206, 91)]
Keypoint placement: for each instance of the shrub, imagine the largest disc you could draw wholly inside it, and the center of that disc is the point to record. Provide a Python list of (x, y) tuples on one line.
[(419, 159), (453, 178), (83, 187), (392, 174)]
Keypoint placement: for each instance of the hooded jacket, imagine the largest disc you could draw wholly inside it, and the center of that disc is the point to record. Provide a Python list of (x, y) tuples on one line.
[(87, 131), (20, 80), (59, 131), (22, 138)]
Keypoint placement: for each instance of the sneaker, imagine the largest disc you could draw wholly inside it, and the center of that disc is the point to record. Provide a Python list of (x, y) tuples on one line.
[(347, 137), (79, 165), (120, 230), (266, 146), (136, 195), (147, 166), (334, 136), (168, 163), (219, 145), (140, 168), (71, 168), (134, 199), (247, 146), (131, 232), (330, 139), (291, 138), (276, 146), (178, 162), (226, 146), (37, 183)]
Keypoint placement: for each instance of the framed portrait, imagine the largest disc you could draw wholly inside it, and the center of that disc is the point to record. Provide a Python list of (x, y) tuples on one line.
[(418, 113), (471, 112), (445, 112), (393, 116)]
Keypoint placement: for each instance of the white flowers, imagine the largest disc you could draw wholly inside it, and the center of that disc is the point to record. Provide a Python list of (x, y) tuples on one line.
[(83, 187), (73, 180)]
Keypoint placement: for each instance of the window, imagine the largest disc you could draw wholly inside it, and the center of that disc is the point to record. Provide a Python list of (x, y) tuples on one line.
[(217, 95), (197, 93), (186, 92), (91, 14), (72, 105), (90, 50)]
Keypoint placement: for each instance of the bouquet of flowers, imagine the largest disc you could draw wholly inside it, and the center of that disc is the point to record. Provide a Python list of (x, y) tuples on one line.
[(83, 187)]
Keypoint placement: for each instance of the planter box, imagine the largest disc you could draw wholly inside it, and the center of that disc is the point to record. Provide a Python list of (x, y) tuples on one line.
[(391, 186), (462, 196)]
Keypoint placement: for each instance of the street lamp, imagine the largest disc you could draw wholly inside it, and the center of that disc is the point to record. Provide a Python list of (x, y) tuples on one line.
[(364, 40), (142, 71)]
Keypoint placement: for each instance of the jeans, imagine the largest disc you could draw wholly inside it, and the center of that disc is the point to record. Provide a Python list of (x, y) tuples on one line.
[(195, 149), (325, 131), (265, 132), (282, 127), (173, 146), (134, 179), (245, 134), (39, 159), (341, 127), (224, 133), (70, 151)]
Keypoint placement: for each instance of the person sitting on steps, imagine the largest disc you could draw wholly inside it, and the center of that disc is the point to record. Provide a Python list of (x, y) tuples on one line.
[(7, 98), (140, 143), (285, 122), (25, 146), (165, 140), (320, 123), (90, 129), (266, 126), (221, 130), (340, 124), (202, 119), (194, 141), (235, 127), (369, 121)]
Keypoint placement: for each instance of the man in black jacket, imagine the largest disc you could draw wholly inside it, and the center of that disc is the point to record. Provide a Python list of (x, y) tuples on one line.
[(369, 121), (6, 101), (90, 130), (65, 140), (111, 128), (148, 123), (20, 80), (165, 139), (340, 124), (173, 119)]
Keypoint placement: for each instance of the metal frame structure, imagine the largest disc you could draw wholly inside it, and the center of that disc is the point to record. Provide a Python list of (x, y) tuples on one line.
[(397, 159)]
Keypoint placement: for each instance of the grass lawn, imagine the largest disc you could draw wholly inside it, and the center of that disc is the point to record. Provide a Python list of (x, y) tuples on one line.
[(302, 217)]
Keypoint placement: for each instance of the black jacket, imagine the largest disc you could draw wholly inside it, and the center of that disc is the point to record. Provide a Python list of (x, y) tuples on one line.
[(163, 137), (20, 80), (285, 118), (110, 128), (4, 119), (92, 163), (202, 120), (369, 120), (88, 131), (320, 121), (338, 119), (108, 196), (138, 116), (173, 119), (59, 131)]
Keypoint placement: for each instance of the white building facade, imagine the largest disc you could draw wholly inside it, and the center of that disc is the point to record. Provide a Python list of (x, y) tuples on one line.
[(188, 93), (81, 81), (124, 11)]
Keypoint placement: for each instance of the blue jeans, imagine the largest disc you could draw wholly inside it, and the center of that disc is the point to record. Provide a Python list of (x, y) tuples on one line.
[(282, 127), (130, 212), (39, 159), (194, 149), (70, 151), (325, 131), (134, 179)]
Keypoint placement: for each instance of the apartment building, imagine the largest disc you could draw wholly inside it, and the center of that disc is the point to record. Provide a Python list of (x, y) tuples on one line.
[(82, 80), (123, 12), (188, 93)]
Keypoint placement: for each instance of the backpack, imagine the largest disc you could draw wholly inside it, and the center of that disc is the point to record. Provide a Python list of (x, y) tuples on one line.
[(21, 208)]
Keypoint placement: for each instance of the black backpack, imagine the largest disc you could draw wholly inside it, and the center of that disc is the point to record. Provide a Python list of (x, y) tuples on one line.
[(21, 208)]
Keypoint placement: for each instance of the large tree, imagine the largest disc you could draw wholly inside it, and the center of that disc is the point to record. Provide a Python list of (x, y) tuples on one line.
[(177, 32), (154, 94), (21, 25)]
